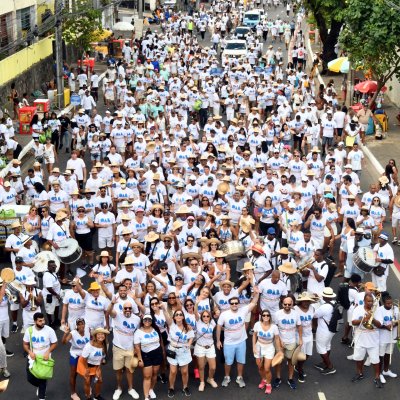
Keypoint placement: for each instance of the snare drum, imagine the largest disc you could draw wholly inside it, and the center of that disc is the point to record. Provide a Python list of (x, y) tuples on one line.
[(69, 251), (42, 259), (234, 250), (365, 259)]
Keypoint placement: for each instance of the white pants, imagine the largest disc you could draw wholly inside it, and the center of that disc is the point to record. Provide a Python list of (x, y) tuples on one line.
[(380, 281)]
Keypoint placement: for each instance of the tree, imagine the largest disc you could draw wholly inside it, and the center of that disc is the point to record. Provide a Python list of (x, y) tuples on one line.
[(79, 25), (372, 39), (327, 14)]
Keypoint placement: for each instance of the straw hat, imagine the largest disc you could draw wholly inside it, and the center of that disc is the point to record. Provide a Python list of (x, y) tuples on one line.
[(298, 355), (167, 236), (328, 292), (287, 268), (220, 254), (226, 282), (213, 241), (191, 255), (134, 362), (278, 358), (248, 266), (223, 188), (128, 260), (61, 215), (16, 224), (100, 330), (151, 237), (183, 210), (257, 248), (94, 286), (305, 296), (104, 253), (159, 206), (176, 225), (384, 180), (283, 250)]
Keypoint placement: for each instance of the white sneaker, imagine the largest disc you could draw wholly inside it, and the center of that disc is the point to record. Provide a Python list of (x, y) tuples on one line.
[(367, 362), (152, 394), (133, 393), (117, 394), (226, 381), (350, 357), (240, 381), (382, 378), (389, 373)]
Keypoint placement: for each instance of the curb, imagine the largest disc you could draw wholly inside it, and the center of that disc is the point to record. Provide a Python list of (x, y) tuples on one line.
[(28, 146)]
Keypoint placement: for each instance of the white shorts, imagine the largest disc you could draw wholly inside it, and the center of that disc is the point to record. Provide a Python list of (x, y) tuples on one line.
[(361, 352), (380, 281), (14, 307), (395, 220), (327, 232), (5, 328), (323, 342), (265, 351), (307, 348), (201, 351), (50, 307), (385, 348), (106, 242), (121, 149)]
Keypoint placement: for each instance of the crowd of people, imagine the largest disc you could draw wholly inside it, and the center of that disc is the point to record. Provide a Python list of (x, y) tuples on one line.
[(208, 207)]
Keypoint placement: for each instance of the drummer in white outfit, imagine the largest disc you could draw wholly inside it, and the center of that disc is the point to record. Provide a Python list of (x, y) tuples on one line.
[(385, 257), (51, 293)]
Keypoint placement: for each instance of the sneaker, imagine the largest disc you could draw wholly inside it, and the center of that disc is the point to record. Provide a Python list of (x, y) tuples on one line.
[(202, 386), (171, 393), (212, 383), (382, 378), (152, 394), (163, 378), (378, 383), (117, 394), (196, 373), (14, 328), (74, 396), (186, 391), (394, 240), (226, 381), (329, 371), (268, 388), (321, 366), (133, 393), (350, 357), (9, 353), (304, 374), (358, 378), (6, 373), (389, 373), (262, 384), (367, 362), (301, 377), (240, 381), (276, 383), (99, 397), (291, 383)]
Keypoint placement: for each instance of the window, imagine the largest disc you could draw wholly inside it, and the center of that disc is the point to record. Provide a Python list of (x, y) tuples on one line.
[(24, 16)]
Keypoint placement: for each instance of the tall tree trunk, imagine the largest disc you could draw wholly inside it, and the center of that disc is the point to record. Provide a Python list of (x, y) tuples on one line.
[(328, 50)]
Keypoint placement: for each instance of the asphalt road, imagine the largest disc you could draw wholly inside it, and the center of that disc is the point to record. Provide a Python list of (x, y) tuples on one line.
[(333, 387)]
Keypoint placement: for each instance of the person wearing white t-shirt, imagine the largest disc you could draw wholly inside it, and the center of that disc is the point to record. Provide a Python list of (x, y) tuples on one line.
[(272, 291), (366, 341), (31, 300), (291, 335), (324, 336), (73, 305), (125, 324), (233, 321), (78, 166), (356, 159), (39, 339), (52, 293), (105, 222), (316, 273)]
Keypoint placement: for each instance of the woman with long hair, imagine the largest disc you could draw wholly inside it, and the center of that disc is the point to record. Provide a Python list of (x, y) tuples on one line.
[(82, 226), (378, 214), (180, 338), (226, 232), (77, 337), (149, 348), (347, 243), (32, 224), (268, 216)]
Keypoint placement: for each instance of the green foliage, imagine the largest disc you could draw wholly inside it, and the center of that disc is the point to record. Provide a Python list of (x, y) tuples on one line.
[(78, 27), (372, 38)]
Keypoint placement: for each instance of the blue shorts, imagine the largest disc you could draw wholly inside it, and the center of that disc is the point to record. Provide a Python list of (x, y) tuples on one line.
[(235, 351), (73, 361)]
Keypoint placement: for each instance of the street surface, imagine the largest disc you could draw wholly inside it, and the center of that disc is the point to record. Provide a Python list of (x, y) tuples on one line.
[(317, 386)]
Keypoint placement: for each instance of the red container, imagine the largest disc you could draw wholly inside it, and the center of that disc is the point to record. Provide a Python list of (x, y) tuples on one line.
[(42, 105), (25, 115)]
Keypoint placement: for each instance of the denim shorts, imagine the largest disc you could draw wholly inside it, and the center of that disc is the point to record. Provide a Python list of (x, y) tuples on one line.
[(235, 351), (183, 356)]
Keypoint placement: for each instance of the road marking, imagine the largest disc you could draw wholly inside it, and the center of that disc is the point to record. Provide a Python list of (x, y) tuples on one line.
[(321, 396)]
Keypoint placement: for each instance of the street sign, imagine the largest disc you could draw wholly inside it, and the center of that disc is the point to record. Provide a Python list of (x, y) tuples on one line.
[(75, 99)]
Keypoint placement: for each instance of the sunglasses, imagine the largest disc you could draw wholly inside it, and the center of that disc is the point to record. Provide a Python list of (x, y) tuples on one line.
[(266, 315), (178, 315), (164, 268), (147, 320), (234, 303), (287, 304), (154, 304), (171, 298), (206, 316), (127, 308)]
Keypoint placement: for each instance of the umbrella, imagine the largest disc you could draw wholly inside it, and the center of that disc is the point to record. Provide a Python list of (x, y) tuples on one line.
[(368, 87), (340, 64), (123, 26)]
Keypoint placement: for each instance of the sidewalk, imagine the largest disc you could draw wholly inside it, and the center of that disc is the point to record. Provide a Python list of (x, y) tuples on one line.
[(379, 151)]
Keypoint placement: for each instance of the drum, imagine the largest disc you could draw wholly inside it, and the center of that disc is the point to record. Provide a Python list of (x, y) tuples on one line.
[(69, 251), (234, 250), (42, 260), (364, 259)]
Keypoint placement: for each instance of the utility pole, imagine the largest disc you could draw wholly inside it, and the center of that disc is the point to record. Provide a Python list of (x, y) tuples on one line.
[(140, 8), (59, 54)]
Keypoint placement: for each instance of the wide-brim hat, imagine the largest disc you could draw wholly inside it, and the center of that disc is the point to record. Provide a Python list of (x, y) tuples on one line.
[(226, 282), (328, 292), (61, 215), (257, 248), (220, 254), (191, 255), (104, 253), (151, 237), (278, 358), (100, 330), (384, 180), (298, 355), (213, 241), (305, 296), (248, 266), (287, 268), (16, 224), (94, 286), (177, 225), (283, 250), (223, 188)]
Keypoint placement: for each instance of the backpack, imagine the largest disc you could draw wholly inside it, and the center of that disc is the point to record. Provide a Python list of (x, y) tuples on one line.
[(332, 269), (343, 295), (337, 315), (197, 105)]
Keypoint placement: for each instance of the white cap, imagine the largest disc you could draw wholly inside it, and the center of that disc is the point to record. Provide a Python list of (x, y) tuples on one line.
[(192, 178), (291, 204)]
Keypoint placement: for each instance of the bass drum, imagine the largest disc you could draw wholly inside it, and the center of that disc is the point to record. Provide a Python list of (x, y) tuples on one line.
[(42, 260), (234, 250), (365, 259), (69, 251)]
